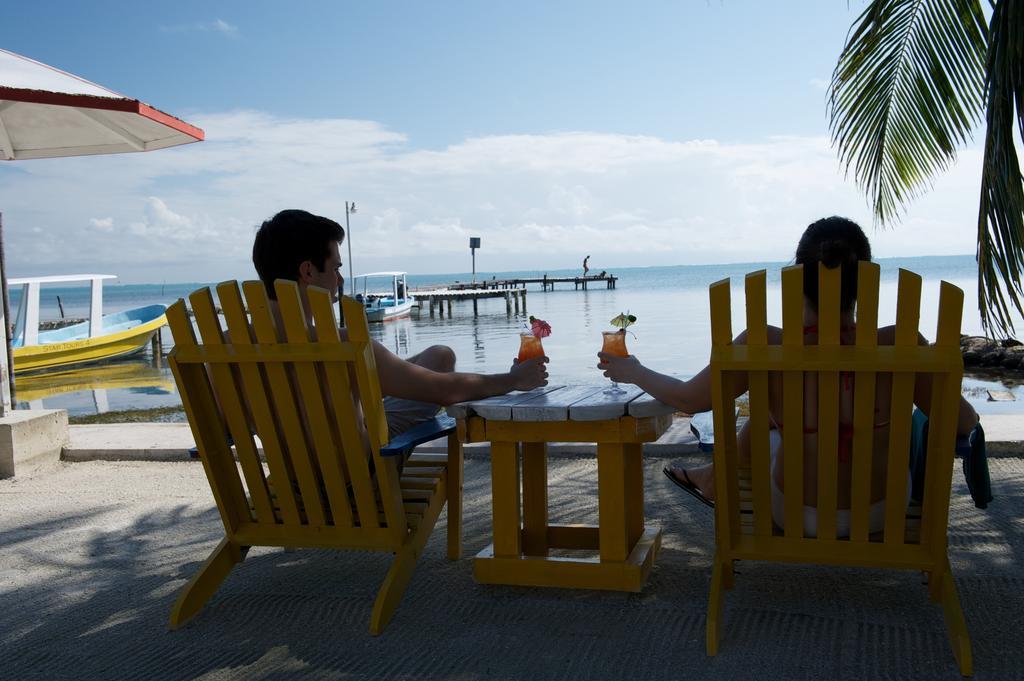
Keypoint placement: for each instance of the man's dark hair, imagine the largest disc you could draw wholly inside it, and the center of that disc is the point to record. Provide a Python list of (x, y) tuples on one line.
[(835, 242), (287, 240)]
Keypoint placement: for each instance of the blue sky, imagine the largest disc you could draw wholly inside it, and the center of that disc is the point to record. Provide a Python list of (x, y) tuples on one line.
[(643, 133)]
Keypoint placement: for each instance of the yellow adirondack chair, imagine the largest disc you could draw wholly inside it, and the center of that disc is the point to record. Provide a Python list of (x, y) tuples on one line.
[(913, 539), (331, 479)]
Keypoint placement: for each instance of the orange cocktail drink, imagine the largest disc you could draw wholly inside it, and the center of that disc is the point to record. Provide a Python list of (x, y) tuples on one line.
[(615, 343), (529, 347)]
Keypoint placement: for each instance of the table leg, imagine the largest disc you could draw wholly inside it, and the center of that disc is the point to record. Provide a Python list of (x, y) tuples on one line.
[(634, 483), (611, 482), (505, 498), (535, 498)]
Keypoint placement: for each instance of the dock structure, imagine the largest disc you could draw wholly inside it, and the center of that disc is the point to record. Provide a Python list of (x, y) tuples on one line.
[(547, 283), (438, 299), (512, 290)]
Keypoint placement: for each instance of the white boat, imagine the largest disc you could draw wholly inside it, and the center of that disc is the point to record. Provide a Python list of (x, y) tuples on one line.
[(98, 338), (383, 306)]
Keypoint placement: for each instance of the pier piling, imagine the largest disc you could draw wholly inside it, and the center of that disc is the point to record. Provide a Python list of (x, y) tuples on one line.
[(158, 349), (512, 290)]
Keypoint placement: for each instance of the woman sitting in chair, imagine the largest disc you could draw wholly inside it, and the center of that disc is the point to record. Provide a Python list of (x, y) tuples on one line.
[(835, 242)]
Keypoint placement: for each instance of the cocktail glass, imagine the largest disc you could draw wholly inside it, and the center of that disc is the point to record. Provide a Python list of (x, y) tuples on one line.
[(529, 347), (614, 344)]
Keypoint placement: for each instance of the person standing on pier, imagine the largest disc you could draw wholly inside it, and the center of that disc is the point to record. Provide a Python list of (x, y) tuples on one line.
[(305, 248), (586, 266)]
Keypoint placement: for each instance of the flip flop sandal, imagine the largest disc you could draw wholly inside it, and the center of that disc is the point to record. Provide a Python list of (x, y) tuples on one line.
[(687, 486)]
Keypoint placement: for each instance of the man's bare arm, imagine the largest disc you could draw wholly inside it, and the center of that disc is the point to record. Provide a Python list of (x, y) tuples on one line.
[(399, 378)]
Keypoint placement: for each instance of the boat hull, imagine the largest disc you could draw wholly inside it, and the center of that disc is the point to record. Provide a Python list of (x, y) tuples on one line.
[(386, 314), (86, 350)]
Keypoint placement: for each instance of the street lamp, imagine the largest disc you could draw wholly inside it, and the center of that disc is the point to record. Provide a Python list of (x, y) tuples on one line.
[(349, 209)]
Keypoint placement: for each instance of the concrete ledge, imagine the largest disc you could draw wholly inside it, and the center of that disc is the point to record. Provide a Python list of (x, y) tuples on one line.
[(129, 442), (171, 441), (31, 438)]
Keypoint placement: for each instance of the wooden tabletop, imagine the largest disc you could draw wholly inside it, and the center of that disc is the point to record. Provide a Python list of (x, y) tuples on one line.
[(564, 403)]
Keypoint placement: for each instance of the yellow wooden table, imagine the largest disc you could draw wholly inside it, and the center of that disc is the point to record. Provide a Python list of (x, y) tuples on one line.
[(519, 426)]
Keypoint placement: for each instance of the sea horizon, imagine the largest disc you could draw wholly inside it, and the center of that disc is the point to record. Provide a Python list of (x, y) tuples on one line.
[(672, 334)]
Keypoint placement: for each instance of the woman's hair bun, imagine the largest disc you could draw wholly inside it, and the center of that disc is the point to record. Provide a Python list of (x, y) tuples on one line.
[(834, 242), (834, 252)]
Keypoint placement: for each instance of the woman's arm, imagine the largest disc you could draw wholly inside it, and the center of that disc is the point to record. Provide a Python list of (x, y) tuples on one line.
[(967, 418), (690, 396)]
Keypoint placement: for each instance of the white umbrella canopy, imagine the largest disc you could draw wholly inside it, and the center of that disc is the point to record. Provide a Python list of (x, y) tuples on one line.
[(47, 113)]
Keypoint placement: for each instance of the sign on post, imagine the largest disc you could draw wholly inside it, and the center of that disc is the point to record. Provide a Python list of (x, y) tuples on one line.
[(474, 243)]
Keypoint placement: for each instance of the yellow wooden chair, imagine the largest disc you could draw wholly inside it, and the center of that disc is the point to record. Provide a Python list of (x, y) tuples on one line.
[(331, 478), (913, 539)]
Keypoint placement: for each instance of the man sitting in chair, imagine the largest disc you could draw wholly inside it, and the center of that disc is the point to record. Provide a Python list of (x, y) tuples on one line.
[(305, 248)]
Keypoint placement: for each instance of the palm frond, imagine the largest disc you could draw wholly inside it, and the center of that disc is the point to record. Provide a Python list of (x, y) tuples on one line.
[(1001, 212), (907, 90)]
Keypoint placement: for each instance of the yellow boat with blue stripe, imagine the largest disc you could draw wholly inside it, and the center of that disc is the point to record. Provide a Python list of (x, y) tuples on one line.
[(100, 337)]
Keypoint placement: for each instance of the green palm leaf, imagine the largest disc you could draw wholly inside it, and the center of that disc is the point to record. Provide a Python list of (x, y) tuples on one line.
[(1001, 213), (906, 91)]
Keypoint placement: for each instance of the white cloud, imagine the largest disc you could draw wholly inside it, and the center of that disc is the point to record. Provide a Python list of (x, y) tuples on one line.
[(538, 201), (819, 83), (215, 26)]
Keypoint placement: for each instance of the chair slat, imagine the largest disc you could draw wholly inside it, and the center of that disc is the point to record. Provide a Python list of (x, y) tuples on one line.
[(724, 415), (793, 403), (951, 307), (208, 430), (354, 446), (829, 282), (326, 446), (278, 353), (282, 398), (256, 393), (864, 403), (232, 404), (942, 422), (372, 401), (760, 457), (908, 311), (813, 358)]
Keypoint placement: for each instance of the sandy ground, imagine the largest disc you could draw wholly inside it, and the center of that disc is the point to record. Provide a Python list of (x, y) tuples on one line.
[(94, 553)]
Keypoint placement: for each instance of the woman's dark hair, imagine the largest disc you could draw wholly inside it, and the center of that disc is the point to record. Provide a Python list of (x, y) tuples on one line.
[(287, 240), (834, 242)]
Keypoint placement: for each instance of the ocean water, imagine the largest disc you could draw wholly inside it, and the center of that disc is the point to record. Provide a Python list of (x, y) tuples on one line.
[(672, 333)]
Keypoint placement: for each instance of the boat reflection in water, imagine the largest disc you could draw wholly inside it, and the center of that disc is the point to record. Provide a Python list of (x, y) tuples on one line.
[(130, 384)]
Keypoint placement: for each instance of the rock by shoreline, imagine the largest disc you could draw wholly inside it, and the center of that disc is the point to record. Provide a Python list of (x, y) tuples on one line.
[(979, 351)]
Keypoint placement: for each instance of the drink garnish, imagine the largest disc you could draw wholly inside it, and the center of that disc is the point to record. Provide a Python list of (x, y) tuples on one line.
[(623, 320), (539, 327)]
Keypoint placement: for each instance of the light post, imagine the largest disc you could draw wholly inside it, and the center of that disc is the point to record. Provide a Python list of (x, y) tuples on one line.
[(349, 209), (474, 243)]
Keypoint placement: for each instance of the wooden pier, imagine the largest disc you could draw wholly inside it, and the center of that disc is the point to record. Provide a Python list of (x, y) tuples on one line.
[(547, 283), (438, 299), (512, 290)]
